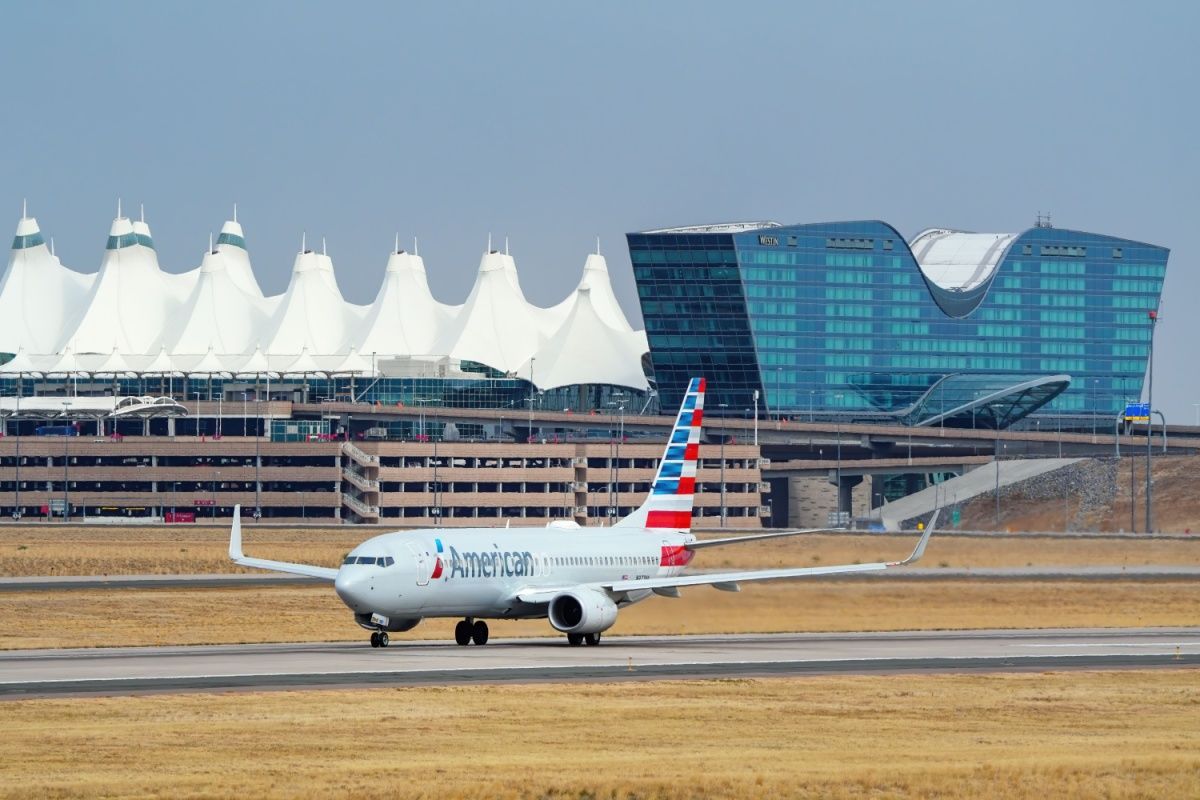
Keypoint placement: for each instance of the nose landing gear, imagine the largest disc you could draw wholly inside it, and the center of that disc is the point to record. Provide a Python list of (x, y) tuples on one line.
[(468, 630), (379, 639)]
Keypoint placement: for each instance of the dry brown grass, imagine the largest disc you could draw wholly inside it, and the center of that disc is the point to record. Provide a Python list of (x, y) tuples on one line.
[(33, 550), (106, 618), (1082, 734)]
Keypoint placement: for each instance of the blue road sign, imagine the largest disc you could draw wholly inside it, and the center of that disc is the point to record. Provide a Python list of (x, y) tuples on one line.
[(1137, 412)]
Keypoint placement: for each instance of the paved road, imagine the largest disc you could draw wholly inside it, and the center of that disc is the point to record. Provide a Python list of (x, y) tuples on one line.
[(274, 666), (55, 583), (219, 581)]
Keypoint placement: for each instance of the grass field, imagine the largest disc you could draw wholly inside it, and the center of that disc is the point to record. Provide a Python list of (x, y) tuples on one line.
[(1079, 734), (33, 550), (115, 617)]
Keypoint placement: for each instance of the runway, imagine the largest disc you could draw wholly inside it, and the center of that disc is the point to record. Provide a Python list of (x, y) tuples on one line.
[(277, 666), (233, 580)]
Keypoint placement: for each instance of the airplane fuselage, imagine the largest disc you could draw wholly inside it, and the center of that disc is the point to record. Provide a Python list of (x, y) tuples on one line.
[(477, 572)]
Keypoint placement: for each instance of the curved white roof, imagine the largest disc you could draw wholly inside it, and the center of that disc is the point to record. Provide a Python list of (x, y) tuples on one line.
[(312, 315), (218, 315), (40, 299), (495, 326), (404, 317), (608, 357), (130, 305), (132, 317), (958, 259)]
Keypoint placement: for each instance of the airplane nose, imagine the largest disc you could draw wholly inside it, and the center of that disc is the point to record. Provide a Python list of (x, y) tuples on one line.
[(353, 589)]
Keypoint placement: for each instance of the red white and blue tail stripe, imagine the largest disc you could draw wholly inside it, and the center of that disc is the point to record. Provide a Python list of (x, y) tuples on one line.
[(669, 506)]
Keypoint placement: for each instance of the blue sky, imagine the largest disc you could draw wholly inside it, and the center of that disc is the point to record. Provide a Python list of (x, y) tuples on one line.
[(553, 123)]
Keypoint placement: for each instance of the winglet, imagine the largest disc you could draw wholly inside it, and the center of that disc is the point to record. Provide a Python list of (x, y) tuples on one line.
[(919, 550), (235, 534)]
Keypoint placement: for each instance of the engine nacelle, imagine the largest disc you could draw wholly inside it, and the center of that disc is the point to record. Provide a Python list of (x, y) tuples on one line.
[(393, 625), (582, 611)]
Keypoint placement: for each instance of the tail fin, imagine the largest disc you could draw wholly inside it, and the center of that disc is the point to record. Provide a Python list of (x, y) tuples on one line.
[(669, 506)]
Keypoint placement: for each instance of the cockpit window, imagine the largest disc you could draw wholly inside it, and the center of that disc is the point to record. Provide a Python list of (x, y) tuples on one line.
[(366, 559), (386, 561), (349, 560)]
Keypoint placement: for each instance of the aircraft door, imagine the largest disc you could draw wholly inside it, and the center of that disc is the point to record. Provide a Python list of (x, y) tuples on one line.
[(422, 561)]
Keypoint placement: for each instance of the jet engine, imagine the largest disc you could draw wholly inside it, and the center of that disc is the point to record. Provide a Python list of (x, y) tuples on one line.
[(582, 611), (393, 625)]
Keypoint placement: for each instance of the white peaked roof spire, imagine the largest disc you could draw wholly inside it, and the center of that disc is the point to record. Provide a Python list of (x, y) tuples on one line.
[(312, 314), (596, 280), (257, 364), (130, 304), (304, 364), (218, 314), (495, 326), (352, 364), (40, 300), (232, 244), (161, 364), (586, 350), (211, 364), (404, 319), (20, 363), (114, 365)]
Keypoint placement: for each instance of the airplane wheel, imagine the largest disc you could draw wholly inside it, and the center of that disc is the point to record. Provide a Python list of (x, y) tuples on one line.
[(574, 639), (462, 632), (479, 632), (592, 639), (375, 639), (383, 639)]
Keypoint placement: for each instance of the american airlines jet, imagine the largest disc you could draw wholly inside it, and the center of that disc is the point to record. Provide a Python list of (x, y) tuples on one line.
[(578, 578)]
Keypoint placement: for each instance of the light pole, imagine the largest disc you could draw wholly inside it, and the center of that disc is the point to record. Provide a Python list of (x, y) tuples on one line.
[(778, 401), (66, 462), (811, 392), (838, 398), (756, 417), (16, 514), (257, 457), (1153, 317), (199, 419), (723, 406), (531, 388), (1095, 382)]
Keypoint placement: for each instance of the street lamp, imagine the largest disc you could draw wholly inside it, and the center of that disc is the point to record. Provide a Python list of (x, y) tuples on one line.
[(723, 407), (257, 456), (1153, 318), (16, 514), (838, 398), (66, 462), (1095, 382)]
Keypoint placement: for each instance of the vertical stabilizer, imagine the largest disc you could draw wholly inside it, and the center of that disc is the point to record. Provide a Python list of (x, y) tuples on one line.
[(669, 506)]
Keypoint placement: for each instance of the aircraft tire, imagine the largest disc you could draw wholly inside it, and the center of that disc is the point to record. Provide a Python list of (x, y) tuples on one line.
[(462, 633), (383, 639), (574, 639), (375, 639), (479, 632), (592, 639)]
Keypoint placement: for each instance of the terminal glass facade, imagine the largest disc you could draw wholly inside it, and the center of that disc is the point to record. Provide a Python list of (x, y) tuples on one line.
[(839, 318)]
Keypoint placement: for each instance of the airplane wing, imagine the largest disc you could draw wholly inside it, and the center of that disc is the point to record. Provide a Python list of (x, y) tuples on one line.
[(729, 581), (239, 558), (755, 537)]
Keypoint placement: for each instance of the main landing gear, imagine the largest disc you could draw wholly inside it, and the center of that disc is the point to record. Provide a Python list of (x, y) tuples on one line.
[(576, 639), (379, 639), (468, 630)]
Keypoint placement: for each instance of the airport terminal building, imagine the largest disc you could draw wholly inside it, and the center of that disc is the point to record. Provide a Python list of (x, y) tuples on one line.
[(849, 319)]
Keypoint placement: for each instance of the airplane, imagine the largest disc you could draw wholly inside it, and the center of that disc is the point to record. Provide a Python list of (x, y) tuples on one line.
[(577, 578)]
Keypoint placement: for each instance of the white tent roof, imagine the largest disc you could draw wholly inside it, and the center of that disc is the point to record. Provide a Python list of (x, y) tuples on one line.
[(312, 316), (40, 299), (219, 314), (232, 245), (114, 364), (495, 326), (129, 306), (304, 364), (65, 364), (958, 259), (352, 364), (404, 319), (211, 364), (20, 363), (257, 364), (161, 364), (586, 349), (597, 280)]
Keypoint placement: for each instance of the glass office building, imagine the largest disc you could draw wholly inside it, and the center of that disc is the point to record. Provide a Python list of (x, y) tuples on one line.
[(849, 318)]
